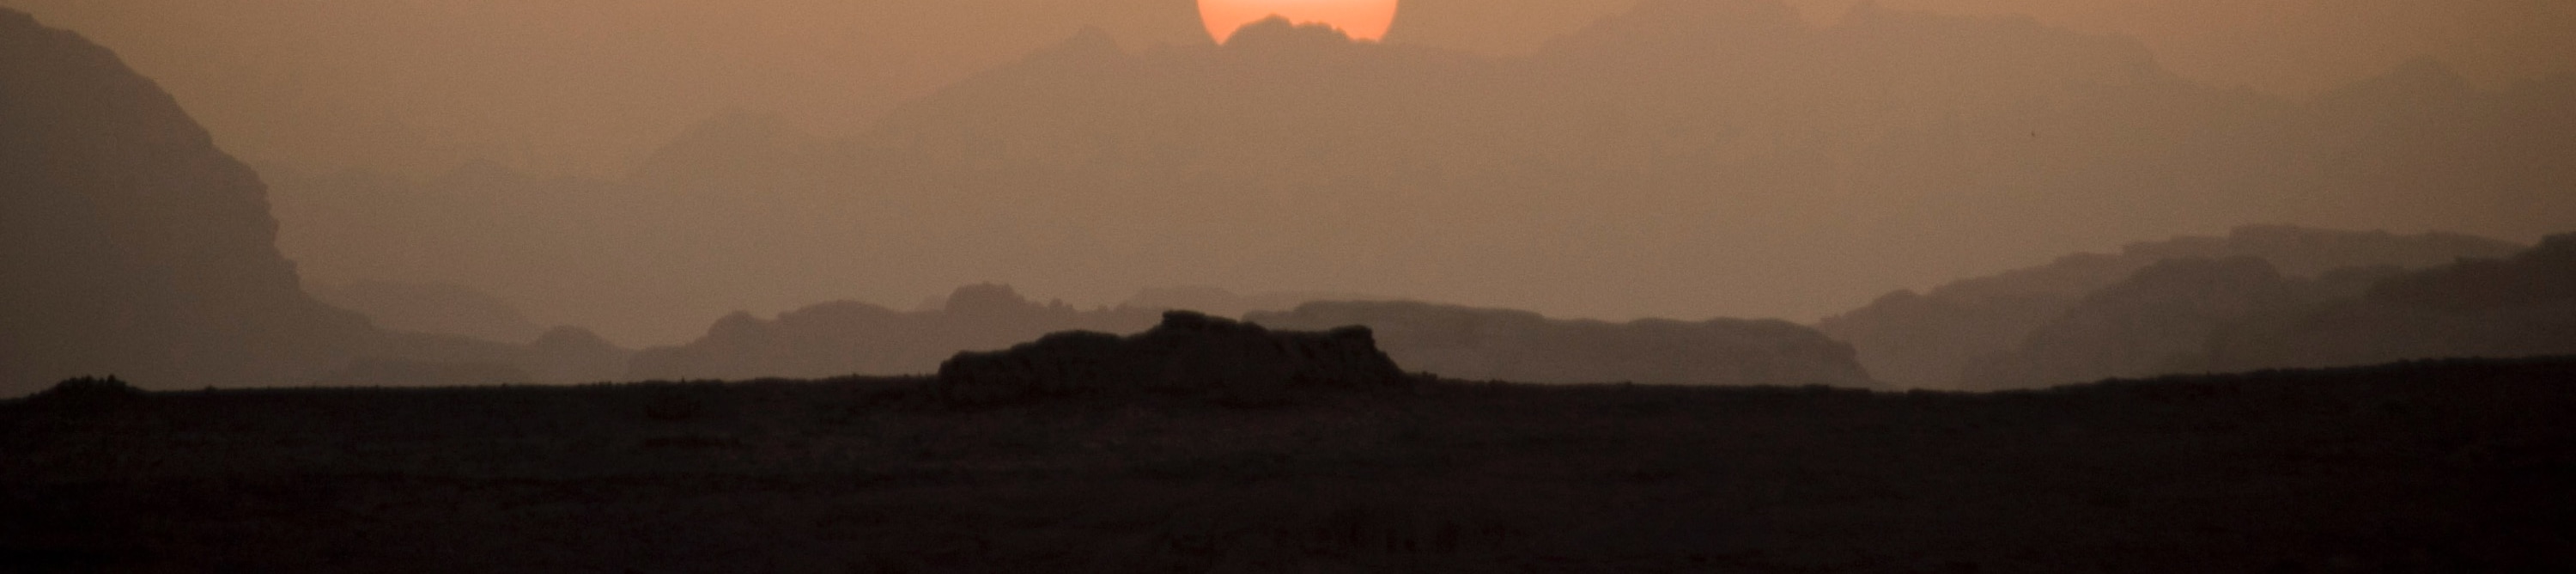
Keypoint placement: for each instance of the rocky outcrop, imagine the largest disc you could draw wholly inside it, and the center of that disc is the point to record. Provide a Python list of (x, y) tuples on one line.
[(1520, 346), (1188, 353), (129, 244)]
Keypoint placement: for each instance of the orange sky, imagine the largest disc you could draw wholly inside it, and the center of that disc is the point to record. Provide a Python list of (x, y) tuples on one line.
[(1360, 19), (591, 88)]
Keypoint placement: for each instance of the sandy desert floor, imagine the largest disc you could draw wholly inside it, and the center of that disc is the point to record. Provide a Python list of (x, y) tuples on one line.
[(2458, 466)]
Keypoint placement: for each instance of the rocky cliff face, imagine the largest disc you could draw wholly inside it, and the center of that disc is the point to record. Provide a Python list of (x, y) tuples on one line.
[(1520, 346), (129, 244), (1188, 353)]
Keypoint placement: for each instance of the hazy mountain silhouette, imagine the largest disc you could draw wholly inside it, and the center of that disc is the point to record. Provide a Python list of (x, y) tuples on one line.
[(1223, 303), (2158, 321), (1696, 158), (432, 308), (562, 355), (129, 244), (646, 260), (2497, 307), (416, 87), (1926, 339), (2204, 315), (1503, 344), (844, 338), (587, 86)]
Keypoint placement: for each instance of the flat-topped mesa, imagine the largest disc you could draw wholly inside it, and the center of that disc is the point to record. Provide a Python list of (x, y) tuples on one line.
[(1188, 353)]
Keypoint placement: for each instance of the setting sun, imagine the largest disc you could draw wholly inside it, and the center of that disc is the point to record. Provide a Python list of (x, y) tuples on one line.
[(1361, 19)]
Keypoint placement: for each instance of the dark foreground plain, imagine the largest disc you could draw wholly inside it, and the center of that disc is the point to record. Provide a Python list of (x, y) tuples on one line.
[(2454, 466)]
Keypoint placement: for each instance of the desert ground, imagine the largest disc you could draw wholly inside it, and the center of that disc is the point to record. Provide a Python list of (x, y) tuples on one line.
[(2450, 466)]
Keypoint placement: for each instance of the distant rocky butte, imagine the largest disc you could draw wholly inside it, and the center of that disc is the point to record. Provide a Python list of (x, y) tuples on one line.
[(1520, 346), (1188, 353), (129, 244)]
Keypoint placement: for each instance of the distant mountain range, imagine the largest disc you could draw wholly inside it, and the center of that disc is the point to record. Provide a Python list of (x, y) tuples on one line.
[(1927, 339), (2225, 306), (1685, 159), (1509, 345), (1784, 166)]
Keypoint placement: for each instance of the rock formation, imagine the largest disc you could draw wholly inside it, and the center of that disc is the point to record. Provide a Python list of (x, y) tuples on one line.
[(129, 244), (1187, 353)]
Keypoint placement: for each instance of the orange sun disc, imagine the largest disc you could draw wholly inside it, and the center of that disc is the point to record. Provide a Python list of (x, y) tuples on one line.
[(1360, 19)]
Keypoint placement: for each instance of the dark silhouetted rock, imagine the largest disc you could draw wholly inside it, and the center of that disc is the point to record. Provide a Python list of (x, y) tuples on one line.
[(1501, 344), (87, 392), (129, 243), (1187, 353)]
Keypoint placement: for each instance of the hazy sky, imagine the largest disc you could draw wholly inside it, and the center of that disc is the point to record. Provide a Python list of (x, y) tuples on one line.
[(588, 86), (1714, 182)]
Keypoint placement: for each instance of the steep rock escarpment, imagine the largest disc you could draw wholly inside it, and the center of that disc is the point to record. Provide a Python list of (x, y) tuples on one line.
[(129, 244)]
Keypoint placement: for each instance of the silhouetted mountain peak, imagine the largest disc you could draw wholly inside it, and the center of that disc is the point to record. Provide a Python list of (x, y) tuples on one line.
[(128, 242), (1276, 34), (987, 299), (737, 326)]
